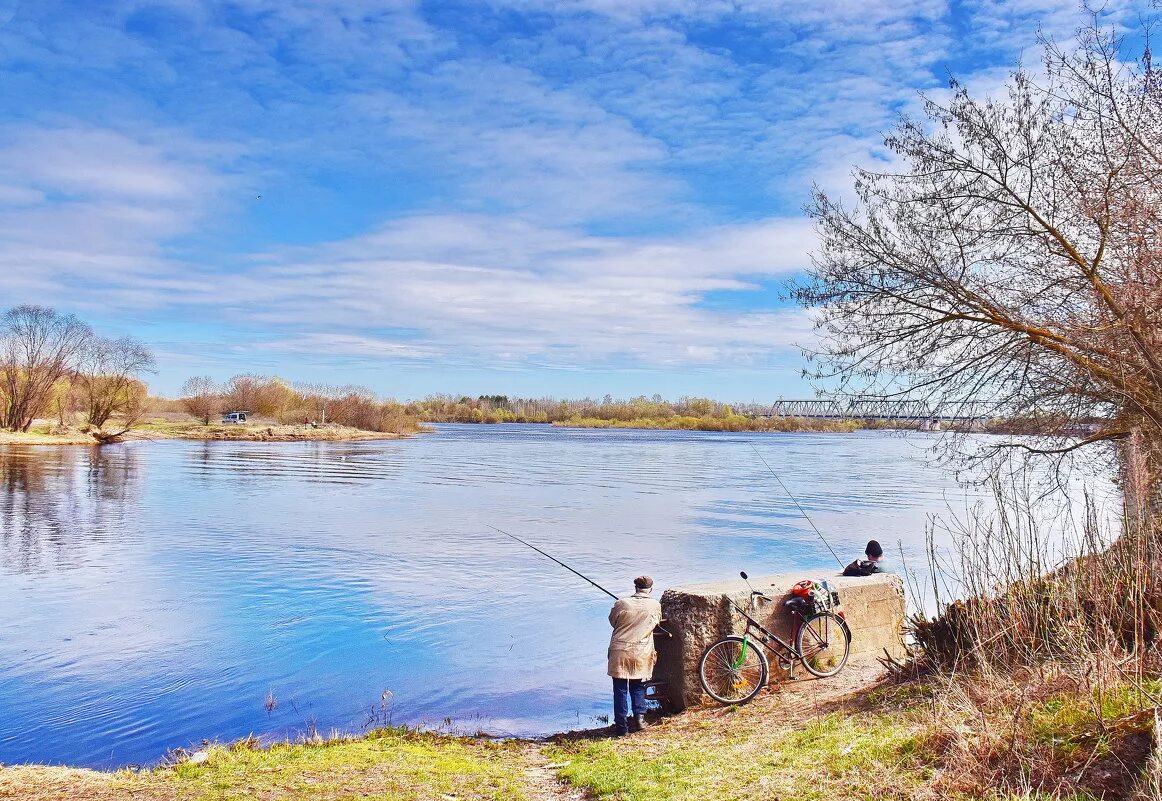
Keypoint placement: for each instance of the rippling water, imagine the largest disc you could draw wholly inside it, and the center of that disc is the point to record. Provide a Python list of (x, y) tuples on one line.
[(155, 594)]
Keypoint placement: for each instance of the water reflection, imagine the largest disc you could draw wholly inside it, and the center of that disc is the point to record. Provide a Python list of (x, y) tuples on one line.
[(155, 593), (57, 502)]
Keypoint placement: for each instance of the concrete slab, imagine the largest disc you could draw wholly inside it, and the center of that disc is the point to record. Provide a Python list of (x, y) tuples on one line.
[(700, 614)]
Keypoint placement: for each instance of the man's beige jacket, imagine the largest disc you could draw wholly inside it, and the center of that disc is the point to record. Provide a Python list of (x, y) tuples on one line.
[(631, 648)]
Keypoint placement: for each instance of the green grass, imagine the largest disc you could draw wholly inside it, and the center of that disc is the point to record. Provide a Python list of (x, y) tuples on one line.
[(388, 764), (837, 756), (1069, 721)]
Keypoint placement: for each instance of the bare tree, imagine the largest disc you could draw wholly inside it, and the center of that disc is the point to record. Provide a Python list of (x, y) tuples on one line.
[(38, 348), (1015, 256), (109, 378), (202, 397), (68, 401), (318, 396), (132, 404), (258, 394)]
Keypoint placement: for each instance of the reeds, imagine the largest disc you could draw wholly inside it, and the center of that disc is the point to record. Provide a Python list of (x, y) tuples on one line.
[(1043, 649)]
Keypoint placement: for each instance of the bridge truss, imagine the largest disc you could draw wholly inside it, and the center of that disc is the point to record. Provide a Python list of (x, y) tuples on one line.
[(859, 407)]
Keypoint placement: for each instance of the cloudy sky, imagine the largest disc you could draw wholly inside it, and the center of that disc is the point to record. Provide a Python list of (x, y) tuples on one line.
[(566, 197)]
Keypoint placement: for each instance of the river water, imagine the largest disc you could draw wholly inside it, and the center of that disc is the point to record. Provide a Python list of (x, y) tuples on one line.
[(154, 594)]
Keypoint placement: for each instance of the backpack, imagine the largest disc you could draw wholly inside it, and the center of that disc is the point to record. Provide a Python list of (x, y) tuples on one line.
[(860, 567)]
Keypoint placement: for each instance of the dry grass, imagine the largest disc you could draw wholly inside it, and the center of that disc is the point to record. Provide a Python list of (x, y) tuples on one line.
[(70, 784), (1029, 735), (1045, 682), (274, 432), (44, 433)]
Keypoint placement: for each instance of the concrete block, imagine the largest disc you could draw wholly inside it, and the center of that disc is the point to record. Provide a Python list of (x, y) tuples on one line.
[(700, 614)]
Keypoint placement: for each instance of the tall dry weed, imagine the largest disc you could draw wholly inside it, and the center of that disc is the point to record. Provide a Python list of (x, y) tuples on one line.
[(1043, 651)]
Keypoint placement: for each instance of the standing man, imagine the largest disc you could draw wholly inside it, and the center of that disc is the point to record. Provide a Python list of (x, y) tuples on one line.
[(631, 653)]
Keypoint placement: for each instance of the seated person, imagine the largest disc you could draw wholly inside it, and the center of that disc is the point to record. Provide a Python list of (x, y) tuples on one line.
[(874, 563)]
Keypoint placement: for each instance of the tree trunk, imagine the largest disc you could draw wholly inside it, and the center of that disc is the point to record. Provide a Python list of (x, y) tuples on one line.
[(1141, 480)]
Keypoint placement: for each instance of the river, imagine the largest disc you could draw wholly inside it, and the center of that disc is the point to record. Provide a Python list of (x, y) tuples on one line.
[(153, 594)]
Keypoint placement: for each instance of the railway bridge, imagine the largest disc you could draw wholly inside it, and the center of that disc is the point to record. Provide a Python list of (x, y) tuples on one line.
[(868, 407)]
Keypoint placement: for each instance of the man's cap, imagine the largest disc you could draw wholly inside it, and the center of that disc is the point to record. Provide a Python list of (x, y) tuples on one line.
[(643, 582), (873, 549)]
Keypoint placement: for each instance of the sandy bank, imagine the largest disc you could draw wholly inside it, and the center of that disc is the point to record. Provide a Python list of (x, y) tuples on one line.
[(47, 434)]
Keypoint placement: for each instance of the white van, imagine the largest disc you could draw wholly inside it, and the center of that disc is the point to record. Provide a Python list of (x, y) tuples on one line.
[(234, 417)]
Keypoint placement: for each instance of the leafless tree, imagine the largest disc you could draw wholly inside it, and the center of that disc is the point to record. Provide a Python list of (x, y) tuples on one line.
[(319, 396), (258, 394), (202, 397), (1015, 255), (38, 348), (68, 401), (132, 405), (109, 378)]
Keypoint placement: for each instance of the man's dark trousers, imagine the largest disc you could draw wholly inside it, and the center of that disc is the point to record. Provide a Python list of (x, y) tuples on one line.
[(625, 692)]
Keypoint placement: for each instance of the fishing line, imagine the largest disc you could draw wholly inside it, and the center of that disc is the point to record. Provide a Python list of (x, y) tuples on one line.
[(555, 559), (660, 627), (801, 509)]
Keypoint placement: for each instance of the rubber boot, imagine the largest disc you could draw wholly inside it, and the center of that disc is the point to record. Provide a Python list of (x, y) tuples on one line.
[(639, 722)]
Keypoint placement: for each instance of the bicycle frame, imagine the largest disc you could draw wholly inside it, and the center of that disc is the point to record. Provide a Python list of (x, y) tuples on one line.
[(769, 640)]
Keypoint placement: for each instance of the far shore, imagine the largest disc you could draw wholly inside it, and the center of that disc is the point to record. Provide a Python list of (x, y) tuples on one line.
[(735, 423), (46, 433), (167, 426)]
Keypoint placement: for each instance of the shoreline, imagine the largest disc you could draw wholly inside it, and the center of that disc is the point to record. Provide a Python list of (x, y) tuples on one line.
[(862, 673), (800, 739), (212, 433)]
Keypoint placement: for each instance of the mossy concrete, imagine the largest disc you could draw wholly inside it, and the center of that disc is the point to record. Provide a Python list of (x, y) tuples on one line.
[(700, 614)]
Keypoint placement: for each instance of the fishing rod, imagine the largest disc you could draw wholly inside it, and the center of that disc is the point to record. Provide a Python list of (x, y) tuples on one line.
[(662, 629), (801, 509), (555, 559)]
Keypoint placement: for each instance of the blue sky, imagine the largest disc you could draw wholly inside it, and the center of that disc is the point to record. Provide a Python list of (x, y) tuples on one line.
[(532, 197)]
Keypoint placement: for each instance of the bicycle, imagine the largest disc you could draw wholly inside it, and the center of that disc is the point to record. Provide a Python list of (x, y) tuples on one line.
[(734, 669)]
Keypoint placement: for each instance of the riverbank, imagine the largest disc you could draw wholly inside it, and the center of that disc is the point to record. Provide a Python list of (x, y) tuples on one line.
[(858, 736), (43, 433), (728, 423)]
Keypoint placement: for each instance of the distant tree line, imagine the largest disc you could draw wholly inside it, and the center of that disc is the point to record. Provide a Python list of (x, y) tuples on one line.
[(54, 364), (272, 397), (502, 409)]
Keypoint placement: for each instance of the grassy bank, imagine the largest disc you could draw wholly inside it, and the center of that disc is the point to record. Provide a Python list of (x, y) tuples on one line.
[(274, 432), (386, 764), (46, 435), (1014, 738)]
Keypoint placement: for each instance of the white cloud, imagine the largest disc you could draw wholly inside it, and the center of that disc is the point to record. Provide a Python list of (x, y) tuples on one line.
[(89, 211), (495, 290)]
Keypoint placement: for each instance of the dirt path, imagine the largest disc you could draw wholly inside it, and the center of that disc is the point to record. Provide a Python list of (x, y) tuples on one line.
[(542, 782), (786, 701)]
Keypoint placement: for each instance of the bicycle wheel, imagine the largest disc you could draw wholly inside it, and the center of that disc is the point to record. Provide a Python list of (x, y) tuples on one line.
[(823, 642), (733, 670)]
